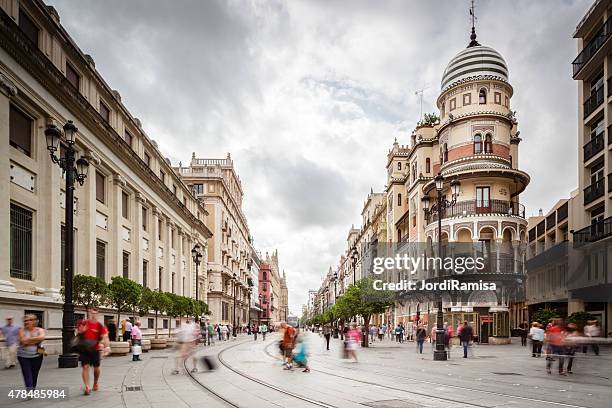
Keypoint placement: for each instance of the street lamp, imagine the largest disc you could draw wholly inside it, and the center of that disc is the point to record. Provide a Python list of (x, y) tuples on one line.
[(442, 204), (196, 254), (259, 311), (79, 173), (354, 256), (335, 286), (249, 291), (234, 279)]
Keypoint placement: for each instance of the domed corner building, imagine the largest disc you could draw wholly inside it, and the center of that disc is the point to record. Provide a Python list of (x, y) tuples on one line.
[(475, 143)]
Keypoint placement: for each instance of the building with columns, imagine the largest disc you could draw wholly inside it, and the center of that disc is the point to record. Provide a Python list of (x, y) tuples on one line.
[(134, 216), (215, 183)]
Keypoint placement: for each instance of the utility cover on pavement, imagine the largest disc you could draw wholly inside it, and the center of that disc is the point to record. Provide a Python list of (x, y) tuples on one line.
[(394, 403)]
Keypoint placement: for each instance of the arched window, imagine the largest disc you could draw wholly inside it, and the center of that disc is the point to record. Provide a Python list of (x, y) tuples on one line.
[(482, 96), (265, 276), (510, 160), (445, 152), (477, 144), (488, 144), (427, 165), (399, 165), (399, 199)]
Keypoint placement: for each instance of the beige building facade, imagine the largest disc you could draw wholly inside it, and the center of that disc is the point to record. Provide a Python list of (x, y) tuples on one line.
[(217, 186), (134, 217)]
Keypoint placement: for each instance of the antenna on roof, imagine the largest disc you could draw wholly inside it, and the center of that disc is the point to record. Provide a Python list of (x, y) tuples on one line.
[(473, 42), (419, 93)]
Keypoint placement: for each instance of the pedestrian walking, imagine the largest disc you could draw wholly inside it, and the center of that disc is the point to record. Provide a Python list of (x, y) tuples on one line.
[(187, 339), (10, 334), (210, 332), (327, 335), (421, 335), (127, 334), (112, 330), (592, 330), (523, 331), (555, 338), (92, 335), (570, 347), (224, 332), (536, 334), (263, 329), (301, 355), (288, 343), (399, 333), (467, 335), (381, 333), (136, 341), (30, 352), (353, 337)]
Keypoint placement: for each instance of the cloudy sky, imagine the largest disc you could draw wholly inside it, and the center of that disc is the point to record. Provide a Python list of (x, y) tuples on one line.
[(308, 96)]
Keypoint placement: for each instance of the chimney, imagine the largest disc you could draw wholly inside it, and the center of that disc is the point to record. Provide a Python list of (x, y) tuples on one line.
[(541, 213)]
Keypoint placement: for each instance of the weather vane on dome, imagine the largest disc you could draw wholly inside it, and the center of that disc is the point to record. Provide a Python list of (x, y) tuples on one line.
[(473, 42)]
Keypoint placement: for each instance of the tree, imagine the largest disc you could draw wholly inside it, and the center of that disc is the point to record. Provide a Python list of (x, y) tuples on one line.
[(580, 319), (123, 294), (153, 300), (429, 119), (177, 306), (88, 291), (367, 301), (543, 316)]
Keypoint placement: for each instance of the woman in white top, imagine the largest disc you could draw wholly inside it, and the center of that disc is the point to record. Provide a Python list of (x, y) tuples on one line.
[(536, 334)]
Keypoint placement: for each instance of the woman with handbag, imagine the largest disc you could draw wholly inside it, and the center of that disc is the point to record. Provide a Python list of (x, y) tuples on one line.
[(30, 352)]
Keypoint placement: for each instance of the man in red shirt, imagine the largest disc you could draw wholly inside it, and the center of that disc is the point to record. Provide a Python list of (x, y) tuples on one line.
[(555, 338), (92, 333), (288, 344)]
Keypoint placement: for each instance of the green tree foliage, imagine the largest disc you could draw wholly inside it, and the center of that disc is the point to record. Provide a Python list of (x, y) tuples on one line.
[(366, 301), (429, 119), (123, 294), (178, 306), (88, 291), (580, 319), (543, 316), (153, 300)]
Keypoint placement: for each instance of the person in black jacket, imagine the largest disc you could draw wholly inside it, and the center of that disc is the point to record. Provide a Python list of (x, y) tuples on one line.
[(467, 334)]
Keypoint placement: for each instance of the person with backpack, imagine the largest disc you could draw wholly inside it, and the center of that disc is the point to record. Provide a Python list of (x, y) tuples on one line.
[(92, 335)]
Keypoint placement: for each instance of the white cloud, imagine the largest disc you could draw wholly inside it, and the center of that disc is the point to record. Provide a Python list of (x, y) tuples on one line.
[(308, 96)]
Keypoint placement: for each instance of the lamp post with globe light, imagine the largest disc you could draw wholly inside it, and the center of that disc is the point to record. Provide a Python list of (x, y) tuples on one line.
[(439, 207), (79, 173)]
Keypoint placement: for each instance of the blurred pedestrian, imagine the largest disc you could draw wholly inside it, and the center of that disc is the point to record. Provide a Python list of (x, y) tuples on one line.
[(301, 355), (381, 333), (112, 330), (93, 335), (136, 341), (288, 343), (523, 330), (187, 339), (536, 334), (421, 335), (467, 335), (255, 331), (10, 333), (327, 335), (30, 351), (592, 330), (353, 338), (555, 338), (263, 329), (570, 345), (127, 334)]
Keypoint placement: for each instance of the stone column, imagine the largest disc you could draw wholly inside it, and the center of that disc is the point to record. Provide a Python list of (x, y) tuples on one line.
[(167, 262), (515, 247), (153, 245), (498, 244), (116, 227), (136, 238), (7, 91), (85, 261), (179, 260)]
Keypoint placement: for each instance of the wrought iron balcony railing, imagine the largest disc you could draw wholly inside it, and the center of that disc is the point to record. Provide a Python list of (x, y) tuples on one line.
[(594, 232), (476, 207), (594, 146), (592, 47), (593, 101), (594, 191)]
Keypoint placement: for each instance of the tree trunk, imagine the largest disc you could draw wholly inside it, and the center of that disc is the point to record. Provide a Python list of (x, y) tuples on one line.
[(169, 328), (366, 323), (156, 324)]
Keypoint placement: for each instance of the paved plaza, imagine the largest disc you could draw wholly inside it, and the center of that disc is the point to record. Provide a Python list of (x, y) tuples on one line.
[(249, 374)]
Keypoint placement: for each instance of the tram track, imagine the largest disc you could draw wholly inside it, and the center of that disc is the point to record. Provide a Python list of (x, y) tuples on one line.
[(223, 362), (458, 387)]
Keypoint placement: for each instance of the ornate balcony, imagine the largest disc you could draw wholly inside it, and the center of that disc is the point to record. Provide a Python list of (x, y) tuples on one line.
[(594, 191), (594, 146), (481, 207)]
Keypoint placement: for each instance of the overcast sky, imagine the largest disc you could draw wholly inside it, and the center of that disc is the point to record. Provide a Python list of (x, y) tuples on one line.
[(308, 96)]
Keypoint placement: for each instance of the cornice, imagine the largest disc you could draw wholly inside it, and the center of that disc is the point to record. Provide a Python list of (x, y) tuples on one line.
[(33, 60), (455, 119)]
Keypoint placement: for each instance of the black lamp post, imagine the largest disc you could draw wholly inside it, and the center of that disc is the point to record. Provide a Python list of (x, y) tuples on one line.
[(249, 292), (234, 279), (335, 286), (354, 256), (441, 205), (259, 311), (196, 254), (79, 173)]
